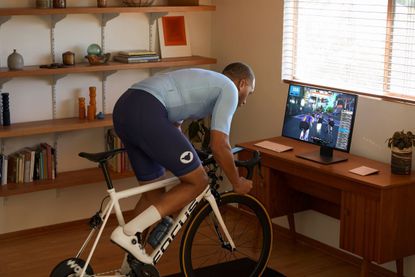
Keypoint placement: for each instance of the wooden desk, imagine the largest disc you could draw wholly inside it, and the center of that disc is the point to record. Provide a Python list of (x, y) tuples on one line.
[(376, 212)]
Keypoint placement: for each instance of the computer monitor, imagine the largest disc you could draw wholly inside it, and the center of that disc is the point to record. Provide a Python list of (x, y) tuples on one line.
[(320, 116)]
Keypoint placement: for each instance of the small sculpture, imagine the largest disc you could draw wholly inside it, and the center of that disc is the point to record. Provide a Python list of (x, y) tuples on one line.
[(82, 108), (95, 55), (100, 115), (92, 107)]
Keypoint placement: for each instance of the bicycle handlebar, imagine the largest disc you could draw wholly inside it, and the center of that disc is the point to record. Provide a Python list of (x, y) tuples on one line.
[(208, 159)]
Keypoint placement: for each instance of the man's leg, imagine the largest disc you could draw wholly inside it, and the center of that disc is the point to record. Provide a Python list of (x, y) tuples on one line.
[(192, 184), (150, 197)]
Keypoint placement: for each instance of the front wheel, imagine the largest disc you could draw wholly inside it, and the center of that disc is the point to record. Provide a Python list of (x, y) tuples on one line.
[(204, 245)]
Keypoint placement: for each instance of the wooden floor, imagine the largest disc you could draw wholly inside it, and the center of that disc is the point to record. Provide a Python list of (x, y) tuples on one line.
[(36, 252)]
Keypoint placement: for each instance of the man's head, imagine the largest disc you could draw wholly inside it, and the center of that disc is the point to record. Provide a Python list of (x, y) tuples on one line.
[(243, 77)]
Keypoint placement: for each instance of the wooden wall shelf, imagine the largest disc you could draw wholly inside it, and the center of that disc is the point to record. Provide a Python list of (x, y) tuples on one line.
[(63, 180), (111, 66), (85, 176), (95, 10), (52, 126)]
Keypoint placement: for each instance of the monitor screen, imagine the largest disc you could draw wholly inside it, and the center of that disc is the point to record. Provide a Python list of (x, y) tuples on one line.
[(320, 116)]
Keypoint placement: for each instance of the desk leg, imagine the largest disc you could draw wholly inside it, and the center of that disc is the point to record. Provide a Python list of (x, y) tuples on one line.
[(399, 267), (291, 224), (364, 271)]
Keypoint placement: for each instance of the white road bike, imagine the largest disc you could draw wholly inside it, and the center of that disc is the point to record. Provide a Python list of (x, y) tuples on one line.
[(221, 227)]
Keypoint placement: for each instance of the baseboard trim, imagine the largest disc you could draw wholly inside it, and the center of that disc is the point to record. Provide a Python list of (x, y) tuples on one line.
[(332, 251), (59, 226)]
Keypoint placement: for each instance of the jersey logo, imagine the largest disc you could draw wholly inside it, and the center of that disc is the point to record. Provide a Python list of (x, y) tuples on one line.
[(186, 157)]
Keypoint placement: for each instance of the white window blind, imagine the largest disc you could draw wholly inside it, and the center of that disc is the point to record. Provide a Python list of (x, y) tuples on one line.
[(366, 46)]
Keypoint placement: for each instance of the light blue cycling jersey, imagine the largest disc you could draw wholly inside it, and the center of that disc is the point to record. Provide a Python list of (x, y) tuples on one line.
[(193, 94)]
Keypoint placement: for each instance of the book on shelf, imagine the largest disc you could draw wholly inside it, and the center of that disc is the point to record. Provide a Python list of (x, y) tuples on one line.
[(12, 169), (136, 59), (138, 52), (5, 162), (119, 163)]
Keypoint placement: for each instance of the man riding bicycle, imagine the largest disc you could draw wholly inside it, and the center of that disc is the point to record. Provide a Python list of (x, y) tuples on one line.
[(147, 118)]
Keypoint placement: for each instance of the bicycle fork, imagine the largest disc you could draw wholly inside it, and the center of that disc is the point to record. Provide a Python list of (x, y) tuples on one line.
[(212, 201)]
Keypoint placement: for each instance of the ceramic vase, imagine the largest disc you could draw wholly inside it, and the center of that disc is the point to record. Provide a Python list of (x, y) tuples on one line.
[(15, 61)]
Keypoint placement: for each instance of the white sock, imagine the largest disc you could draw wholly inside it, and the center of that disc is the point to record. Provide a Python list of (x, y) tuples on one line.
[(141, 222)]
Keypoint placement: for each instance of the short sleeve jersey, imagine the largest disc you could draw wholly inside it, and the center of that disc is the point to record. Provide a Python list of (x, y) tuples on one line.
[(194, 94)]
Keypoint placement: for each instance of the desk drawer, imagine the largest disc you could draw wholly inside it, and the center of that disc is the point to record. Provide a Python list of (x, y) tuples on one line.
[(359, 225)]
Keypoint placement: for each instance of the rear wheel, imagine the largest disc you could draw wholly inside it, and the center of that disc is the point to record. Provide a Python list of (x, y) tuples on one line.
[(204, 245)]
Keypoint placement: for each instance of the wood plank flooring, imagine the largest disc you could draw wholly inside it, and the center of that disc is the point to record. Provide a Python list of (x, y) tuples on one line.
[(34, 253)]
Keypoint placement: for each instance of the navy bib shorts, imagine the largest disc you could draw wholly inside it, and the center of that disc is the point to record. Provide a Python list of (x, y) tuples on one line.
[(152, 141)]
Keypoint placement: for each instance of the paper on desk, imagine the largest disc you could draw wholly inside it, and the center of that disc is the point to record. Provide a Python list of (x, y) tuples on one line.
[(273, 146), (363, 170)]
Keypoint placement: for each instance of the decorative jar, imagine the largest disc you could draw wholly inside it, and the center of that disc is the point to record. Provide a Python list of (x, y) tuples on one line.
[(401, 160), (15, 61), (43, 4), (59, 4)]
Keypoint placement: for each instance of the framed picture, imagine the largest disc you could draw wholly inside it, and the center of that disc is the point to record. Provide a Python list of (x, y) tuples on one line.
[(174, 36)]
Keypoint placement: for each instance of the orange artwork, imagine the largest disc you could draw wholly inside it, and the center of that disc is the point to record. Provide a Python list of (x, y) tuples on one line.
[(174, 30)]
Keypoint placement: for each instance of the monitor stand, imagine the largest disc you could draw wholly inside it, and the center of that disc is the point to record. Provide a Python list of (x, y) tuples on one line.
[(324, 156)]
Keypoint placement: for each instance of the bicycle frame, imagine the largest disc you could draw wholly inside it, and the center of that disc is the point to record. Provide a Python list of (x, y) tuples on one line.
[(184, 215)]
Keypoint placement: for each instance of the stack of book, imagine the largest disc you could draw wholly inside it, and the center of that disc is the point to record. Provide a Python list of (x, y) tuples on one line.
[(137, 56), (119, 163), (29, 164)]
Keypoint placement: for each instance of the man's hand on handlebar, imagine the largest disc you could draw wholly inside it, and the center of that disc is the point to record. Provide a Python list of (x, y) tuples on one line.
[(243, 187)]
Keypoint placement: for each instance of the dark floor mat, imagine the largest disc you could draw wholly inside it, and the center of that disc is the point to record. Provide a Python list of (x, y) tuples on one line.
[(230, 269)]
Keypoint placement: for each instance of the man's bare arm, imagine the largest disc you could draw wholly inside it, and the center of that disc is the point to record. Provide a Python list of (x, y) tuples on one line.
[(222, 151)]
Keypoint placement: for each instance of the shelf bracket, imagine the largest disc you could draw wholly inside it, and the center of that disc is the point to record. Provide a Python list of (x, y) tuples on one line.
[(3, 81), (106, 17), (105, 74), (4, 19), (56, 78), (154, 16), (55, 18), (104, 78)]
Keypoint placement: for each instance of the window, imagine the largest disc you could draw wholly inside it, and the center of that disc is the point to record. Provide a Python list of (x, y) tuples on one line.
[(365, 46)]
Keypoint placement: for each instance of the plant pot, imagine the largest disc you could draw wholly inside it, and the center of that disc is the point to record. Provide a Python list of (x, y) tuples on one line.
[(401, 161)]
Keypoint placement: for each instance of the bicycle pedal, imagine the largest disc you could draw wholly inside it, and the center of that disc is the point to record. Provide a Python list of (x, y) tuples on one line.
[(139, 269)]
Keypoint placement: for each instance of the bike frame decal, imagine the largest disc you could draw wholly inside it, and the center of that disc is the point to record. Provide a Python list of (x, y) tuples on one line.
[(178, 224)]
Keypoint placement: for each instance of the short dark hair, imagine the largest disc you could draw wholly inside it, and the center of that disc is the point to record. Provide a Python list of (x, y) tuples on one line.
[(238, 71)]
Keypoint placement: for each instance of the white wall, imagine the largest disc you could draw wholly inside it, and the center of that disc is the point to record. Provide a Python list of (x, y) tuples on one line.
[(251, 31), (31, 100)]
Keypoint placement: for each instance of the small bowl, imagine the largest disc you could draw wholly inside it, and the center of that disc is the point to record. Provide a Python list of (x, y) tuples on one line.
[(98, 60)]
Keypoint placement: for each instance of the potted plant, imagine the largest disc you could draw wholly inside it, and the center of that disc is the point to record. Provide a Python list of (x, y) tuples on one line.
[(401, 144)]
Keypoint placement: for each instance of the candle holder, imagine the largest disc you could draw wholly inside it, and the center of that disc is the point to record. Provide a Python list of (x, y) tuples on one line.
[(5, 108)]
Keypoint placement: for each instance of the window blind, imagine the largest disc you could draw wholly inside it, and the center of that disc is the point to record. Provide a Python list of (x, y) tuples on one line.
[(363, 46)]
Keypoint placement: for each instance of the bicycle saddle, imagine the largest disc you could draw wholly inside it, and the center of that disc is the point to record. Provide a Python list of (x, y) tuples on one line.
[(102, 156)]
